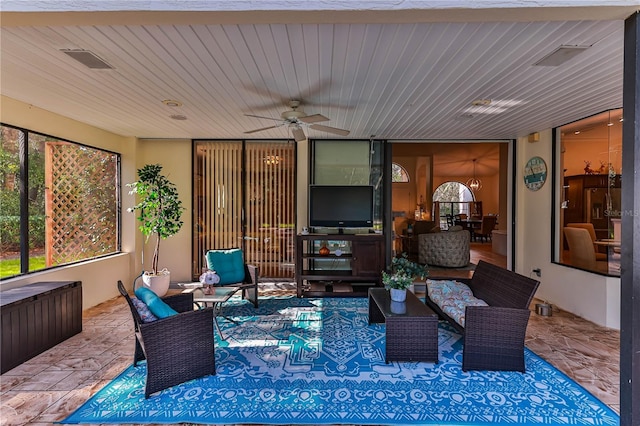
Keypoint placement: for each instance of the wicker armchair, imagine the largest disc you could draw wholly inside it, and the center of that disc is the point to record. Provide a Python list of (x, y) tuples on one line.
[(230, 262), (178, 348)]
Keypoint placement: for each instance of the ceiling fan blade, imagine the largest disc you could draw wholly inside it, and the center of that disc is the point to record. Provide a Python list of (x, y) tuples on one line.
[(266, 118), (328, 129), (261, 129), (298, 134), (314, 118)]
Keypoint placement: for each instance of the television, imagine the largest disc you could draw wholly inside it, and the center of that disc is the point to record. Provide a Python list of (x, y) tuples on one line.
[(341, 206)]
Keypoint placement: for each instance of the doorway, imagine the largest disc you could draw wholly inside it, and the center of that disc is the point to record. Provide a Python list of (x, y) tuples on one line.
[(244, 196)]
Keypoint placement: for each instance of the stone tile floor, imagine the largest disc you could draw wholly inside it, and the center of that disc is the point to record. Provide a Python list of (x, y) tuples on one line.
[(50, 386)]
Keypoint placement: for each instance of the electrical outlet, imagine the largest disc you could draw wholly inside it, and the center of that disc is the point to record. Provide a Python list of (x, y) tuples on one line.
[(537, 271)]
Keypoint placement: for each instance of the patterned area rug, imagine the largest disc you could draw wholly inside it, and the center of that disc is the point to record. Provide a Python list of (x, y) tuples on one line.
[(316, 361)]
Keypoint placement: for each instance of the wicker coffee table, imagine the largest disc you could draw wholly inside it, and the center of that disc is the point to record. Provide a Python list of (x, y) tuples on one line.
[(411, 326)]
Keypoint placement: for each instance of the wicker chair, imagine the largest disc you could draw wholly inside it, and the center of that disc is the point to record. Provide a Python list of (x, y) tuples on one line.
[(178, 348), (227, 261)]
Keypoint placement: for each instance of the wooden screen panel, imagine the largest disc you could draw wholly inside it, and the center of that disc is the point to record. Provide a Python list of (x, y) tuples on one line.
[(217, 198), (270, 207)]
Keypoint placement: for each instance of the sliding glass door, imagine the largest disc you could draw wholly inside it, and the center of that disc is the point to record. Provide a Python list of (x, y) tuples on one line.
[(244, 196)]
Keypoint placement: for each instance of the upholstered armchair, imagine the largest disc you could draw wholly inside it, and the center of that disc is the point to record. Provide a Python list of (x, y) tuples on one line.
[(447, 248)]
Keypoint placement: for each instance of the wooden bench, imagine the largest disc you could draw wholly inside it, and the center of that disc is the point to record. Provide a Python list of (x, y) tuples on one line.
[(494, 335)]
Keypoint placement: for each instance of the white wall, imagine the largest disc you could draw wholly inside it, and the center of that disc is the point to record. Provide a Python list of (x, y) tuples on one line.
[(591, 296), (174, 155)]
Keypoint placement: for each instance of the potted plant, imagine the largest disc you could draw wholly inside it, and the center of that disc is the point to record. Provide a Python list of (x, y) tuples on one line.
[(401, 276), (160, 215)]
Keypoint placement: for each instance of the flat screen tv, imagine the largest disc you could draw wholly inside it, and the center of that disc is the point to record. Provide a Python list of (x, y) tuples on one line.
[(341, 206)]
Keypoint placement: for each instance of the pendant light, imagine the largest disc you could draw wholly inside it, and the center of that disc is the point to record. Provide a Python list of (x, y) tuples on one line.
[(474, 184)]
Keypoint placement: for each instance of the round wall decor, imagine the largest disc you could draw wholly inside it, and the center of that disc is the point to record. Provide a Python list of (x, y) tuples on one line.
[(535, 173)]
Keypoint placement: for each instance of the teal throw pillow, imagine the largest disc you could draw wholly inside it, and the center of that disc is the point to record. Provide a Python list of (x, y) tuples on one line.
[(155, 304), (228, 264)]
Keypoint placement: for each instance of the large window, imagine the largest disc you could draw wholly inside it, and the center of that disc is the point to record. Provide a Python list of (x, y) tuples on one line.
[(59, 202), (454, 198), (352, 162), (589, 156)]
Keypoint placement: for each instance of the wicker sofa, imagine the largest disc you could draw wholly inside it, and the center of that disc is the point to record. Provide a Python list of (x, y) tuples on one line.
[(494, 334), (447, 248)]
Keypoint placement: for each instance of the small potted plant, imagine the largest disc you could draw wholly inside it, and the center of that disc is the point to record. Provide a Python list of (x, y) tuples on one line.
[(160, 215), (401, 276)]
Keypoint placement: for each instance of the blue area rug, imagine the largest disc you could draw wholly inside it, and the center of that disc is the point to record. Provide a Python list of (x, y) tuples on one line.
[(316, 361)]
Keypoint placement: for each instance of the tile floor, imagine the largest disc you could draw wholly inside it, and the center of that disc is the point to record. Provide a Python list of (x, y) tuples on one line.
[(50, 386)]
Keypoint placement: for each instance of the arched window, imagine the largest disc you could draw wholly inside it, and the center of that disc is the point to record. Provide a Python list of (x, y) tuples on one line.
[(399, 173), (450, 199)]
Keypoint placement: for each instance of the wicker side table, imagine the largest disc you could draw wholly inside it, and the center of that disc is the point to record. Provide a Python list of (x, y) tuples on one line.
[(411, 330)]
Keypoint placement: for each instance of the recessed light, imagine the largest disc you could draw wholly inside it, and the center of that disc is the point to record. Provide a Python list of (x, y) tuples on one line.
[(172, 103), (609, 124), (481, 102), (577, 132), (178, 117)]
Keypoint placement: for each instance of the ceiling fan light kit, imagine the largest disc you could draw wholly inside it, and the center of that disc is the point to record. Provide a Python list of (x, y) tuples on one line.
[(295, 118)]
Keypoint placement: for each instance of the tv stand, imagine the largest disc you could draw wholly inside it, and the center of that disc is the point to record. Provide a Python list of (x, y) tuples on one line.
[(354, 263)]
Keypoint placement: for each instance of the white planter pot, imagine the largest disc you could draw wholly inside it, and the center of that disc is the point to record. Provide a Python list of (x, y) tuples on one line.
[(159, 284), (398, 308), (398, 295)]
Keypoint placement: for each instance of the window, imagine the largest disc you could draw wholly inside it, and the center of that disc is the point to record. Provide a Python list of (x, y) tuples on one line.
[(59, 202), (589, 154), (352, 162), (453, 198), (399, 173)]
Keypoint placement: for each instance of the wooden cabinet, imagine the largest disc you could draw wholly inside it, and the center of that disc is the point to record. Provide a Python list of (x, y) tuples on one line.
[(592, 199), (354, 263)]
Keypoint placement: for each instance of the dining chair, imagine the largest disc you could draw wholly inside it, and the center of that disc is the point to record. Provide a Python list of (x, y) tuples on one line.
[(592, 233), (486, 227), (581, 250)]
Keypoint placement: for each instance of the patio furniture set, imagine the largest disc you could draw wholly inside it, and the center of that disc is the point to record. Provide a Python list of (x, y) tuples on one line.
[(493, 334)]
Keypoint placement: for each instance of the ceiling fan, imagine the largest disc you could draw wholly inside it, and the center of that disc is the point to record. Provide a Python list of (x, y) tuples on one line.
[(295, 119)]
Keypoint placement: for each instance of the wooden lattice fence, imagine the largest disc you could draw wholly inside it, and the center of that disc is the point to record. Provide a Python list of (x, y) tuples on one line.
[(80, 203)]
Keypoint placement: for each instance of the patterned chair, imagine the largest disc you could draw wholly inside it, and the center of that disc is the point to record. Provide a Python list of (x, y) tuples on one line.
[(448, 248)]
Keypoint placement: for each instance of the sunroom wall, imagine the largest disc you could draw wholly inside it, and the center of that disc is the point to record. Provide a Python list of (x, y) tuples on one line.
[(98, 276), (592, 296)]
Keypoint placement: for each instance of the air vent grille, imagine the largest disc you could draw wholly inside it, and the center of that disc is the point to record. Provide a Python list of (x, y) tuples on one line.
[(87, 58)]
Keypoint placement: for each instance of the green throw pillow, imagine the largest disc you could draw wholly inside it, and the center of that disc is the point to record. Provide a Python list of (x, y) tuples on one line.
[(228, 264), (155, 304)]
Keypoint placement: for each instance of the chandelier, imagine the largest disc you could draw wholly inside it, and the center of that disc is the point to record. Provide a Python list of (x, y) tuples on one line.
[(271, 160), (474, 184)]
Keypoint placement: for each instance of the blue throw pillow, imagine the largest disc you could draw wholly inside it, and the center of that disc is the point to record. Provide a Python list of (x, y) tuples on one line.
[(155, 304), (228, 264), (143, 310)]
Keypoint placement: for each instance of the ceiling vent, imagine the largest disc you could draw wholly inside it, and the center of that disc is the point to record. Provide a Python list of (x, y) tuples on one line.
[(87, 58), (561, 55)]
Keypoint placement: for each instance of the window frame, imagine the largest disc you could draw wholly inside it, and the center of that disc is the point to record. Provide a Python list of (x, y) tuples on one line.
[(23, 153)]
